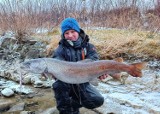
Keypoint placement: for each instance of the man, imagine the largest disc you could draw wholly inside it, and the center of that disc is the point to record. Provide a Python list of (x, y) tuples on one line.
[(74, 46)]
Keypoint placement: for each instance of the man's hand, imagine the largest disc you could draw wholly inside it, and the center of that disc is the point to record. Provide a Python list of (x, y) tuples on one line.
[(103, 76)]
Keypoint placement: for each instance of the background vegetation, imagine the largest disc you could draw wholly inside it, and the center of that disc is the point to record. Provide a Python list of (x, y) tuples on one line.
[(22, 15)]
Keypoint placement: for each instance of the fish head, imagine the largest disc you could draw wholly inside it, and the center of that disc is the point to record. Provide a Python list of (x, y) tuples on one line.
[(34, 66)]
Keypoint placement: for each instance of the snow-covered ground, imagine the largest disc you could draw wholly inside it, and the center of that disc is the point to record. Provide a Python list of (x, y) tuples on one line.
[(137, 96)]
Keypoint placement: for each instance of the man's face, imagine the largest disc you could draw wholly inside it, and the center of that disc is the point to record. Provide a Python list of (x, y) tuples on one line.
[(71, 35)]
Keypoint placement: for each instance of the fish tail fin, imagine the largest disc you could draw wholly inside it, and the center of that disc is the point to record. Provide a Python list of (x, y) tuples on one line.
[(136, 69), (141, 65), (119, 59)]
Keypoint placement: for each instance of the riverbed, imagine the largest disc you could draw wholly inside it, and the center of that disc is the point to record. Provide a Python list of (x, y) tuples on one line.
[(135, 96)]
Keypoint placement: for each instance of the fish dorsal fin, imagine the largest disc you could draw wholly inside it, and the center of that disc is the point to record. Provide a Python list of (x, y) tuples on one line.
[(119, 59), (141, 65), (85, 61)]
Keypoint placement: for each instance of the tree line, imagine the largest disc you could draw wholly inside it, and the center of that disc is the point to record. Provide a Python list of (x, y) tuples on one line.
[(26, 15)]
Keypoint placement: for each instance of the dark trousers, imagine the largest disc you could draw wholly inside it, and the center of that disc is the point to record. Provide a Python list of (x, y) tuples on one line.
[(70, 97)]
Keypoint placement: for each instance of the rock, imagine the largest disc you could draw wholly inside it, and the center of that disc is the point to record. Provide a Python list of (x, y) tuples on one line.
[(49, 111), (2, 83), (21, 89), (48, 83), (31, 42), (87, 111), (27, 112), (2, 73), (35, 78), (38, 83), (6, 42), (55, 111), (26, 80), (32, 54), (5, 104), (17, 107), (7, 92), (114, 82), (153, 109)]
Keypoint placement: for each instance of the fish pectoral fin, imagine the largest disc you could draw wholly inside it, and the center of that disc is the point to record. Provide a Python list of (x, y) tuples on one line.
[(85, 60)]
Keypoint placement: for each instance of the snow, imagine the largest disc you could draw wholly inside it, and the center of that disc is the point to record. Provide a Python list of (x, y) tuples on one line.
[(135, 98)]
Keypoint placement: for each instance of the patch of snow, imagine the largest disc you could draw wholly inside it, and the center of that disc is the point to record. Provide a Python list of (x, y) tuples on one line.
[(40, 30), (128, 99), (21, 89)]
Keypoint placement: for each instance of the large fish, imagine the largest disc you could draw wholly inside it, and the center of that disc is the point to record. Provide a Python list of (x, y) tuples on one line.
[(80, 72)]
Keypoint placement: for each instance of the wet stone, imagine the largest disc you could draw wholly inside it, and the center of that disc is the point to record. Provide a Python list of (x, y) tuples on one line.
[(7, 92), (17, 107), (5, 105)]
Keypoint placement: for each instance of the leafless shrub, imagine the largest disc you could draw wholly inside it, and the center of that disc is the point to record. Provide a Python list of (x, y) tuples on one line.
[(153, 17), (124, 17), (25, 16), (21, 17)]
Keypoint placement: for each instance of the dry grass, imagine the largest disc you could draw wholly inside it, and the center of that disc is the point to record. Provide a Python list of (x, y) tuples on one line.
[(115, 43), (52, 45)]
